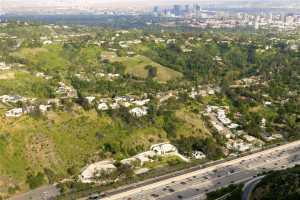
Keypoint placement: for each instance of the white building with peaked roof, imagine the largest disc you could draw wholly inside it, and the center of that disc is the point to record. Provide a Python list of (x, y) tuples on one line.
[(141, 102), (102, 106), (163, 148), (44, 108), (90, 99), (16, 112), (139, 112), (95, 169)]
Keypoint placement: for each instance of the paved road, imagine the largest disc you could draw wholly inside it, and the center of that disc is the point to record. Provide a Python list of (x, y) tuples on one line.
[(42, 193), (249, 187), (193, 185)]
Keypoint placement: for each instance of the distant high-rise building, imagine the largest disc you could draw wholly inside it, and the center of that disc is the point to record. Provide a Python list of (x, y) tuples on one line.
[(156, 9), (177, 10), (198, 8), (186, 8)]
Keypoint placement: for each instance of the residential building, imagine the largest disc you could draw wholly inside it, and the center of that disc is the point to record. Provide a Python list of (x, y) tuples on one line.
[(16, 112), (163, 148), (139, 112), (89, 174)]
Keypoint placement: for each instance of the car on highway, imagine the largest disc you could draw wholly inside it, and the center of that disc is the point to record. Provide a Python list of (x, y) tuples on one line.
[(94, 197), (155, 195)]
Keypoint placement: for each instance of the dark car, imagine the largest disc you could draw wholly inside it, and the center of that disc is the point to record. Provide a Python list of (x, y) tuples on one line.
[(94, 197), (154, 195)]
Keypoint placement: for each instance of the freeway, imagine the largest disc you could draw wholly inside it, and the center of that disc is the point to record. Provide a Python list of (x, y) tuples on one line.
[(42, 193), (193, 185)]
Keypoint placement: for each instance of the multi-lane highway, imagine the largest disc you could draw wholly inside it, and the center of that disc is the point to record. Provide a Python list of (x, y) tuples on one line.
[(193, 185)]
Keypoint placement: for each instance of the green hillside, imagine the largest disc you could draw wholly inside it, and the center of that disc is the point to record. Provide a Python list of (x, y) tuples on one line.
[(136, 66)]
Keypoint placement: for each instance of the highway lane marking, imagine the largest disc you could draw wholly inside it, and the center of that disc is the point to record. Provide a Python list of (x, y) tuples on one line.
[(196, 182), (190, 174), (248, 173)]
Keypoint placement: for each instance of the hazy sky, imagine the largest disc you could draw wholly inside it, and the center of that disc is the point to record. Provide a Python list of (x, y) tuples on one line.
[(105, 1), (109, 3), (75, 4)]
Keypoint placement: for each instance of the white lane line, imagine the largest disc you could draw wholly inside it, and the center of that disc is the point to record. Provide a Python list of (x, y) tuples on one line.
[(195, 173)]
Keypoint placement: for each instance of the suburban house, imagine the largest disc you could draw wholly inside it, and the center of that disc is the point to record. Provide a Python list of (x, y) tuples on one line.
[(233, 126), (125, 104), (123, 99), (89, 173), (16, 112), (12, 98), (240, 146), (90, 99), (163, 148), (103, 106), (44, 108), (93, 170), (155, 150), (222, 117), (63, 89), (198, 155), (139, 112), (141, 102)]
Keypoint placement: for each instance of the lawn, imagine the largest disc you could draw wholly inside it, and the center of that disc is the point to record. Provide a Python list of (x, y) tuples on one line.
[(193, 124), (163, 162), (136, 65), (25, 84), (47, 59)]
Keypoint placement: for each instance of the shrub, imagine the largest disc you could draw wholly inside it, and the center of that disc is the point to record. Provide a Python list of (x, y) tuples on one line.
[(35, 181)]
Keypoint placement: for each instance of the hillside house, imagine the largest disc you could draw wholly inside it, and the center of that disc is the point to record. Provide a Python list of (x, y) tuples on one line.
[(145, 157), (123, 99), (141, 102), (63, 89), (198, 155), (163, 148), (102, 106), (221, 115), (44, 108), (93, 170), (240, 146), (16, 112), (125, 104), (12, 99), (233, 126), (139, 112), (90, 99)]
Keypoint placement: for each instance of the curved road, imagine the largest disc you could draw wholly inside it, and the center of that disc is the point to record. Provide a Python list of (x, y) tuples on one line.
[(249, 187)]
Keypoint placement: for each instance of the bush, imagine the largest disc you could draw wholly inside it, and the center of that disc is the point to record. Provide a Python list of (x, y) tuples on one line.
[(35, 181)]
